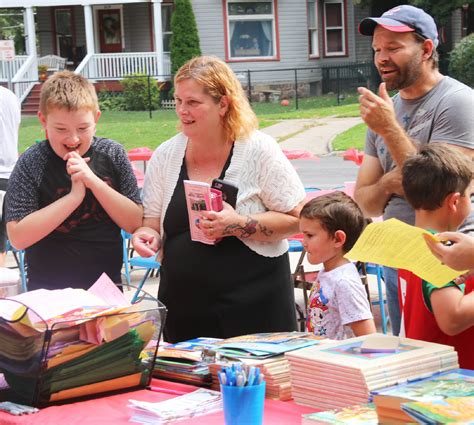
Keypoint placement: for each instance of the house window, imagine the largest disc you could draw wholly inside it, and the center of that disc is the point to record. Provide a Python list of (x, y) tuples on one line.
[(334, 29), (64, 39), (313, 34), (166, 11), (251, 29)]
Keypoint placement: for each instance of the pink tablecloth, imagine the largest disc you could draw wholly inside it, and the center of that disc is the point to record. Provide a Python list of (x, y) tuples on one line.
[(113, 410)]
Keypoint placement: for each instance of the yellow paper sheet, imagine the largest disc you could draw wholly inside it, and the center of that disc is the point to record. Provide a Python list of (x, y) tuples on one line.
[(396, 244)]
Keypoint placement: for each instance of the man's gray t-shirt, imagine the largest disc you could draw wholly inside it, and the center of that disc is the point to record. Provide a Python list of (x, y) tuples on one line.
[(443, 115)]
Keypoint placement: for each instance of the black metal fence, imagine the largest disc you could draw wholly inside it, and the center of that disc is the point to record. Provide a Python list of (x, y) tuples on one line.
[(296, 86), (299, 83)]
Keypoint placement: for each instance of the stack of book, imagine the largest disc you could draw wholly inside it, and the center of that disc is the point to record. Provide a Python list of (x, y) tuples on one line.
[(183, 362), (264, 345), (69, 343), (389, 402), (343, 373), (266, 352), (276, 371)]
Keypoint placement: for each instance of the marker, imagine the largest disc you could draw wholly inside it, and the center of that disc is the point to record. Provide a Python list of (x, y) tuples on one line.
[(166, 390)]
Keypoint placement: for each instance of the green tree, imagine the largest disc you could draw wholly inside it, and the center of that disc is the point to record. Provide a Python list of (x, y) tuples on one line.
[(184, 39), (461, 64), (441, 10), (11, 28)]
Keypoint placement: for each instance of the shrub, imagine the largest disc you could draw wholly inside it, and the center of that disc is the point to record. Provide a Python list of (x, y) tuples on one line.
[(136, 95), (111, 101), (461, 61), (185, 39)]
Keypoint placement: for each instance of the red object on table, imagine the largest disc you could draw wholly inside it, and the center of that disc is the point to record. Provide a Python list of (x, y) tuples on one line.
[(140, 154), (114, 410), (298, 154), (353, 154)]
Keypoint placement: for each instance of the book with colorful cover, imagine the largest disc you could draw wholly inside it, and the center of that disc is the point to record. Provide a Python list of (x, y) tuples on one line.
[(263, 345), (454, 383), (201, 197), (449, 410), (355, 415), (196, 344)]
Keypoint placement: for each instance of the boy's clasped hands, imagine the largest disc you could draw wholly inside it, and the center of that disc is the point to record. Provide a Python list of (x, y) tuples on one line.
[(82, 176)]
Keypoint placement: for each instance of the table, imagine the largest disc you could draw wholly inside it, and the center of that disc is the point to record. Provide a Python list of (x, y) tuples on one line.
[(275, 94), (140, 154), (113, 410)]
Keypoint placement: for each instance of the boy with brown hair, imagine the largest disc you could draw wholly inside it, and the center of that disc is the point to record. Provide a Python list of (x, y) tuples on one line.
[(69, 196), (438, 184), (338, 307)]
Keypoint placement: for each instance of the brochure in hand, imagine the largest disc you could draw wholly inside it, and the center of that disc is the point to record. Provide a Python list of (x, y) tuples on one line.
[(201, 197)]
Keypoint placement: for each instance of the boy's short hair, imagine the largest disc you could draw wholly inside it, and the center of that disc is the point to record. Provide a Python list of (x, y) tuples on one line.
[(336, 211), (68, 90), (437, 170)]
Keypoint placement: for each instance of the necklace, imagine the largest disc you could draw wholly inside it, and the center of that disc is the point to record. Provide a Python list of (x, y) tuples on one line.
[(207, 167)]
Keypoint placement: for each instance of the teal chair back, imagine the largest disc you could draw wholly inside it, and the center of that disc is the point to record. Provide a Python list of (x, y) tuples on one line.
[(19, 255), (133, 262)]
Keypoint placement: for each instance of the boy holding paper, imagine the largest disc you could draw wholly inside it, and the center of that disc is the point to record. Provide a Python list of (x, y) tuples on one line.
[(438, 184)]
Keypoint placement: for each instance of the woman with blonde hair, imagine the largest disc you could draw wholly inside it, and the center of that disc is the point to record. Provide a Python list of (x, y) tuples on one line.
[(242, 284)]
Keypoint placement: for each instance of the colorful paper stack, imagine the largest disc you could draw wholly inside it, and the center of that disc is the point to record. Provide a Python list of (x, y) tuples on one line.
[(454, 383), (340, 374), (62, 344)]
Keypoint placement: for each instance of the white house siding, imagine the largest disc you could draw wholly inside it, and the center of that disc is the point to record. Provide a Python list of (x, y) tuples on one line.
[(44, 27), (293, 42), (80, 24), (136, 20), (362, 43), (44, 21)]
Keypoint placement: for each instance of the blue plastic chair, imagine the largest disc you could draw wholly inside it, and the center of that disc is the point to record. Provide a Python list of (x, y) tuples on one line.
[(19, 255), (137, 263), (377, 270)]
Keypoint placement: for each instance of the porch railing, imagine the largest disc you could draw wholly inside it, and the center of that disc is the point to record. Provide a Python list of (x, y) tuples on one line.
[(8, 69), (115, 66), (26, 78)]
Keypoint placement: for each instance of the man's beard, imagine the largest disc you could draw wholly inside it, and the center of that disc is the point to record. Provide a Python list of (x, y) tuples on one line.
[(405, 77)]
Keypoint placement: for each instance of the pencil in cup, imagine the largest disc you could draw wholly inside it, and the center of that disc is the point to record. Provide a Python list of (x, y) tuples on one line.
[(238, 375), (243, 395)]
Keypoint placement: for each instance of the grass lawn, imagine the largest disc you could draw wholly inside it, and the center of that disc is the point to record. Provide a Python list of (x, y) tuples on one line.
[(352, 138), (136, 129)]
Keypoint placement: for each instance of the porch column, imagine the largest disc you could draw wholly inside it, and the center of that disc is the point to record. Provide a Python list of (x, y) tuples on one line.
[(89, 23), (29, 22), (158, 34), (90, 69)]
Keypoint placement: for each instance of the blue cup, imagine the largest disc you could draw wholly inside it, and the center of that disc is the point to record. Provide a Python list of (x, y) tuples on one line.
[(243, 405)]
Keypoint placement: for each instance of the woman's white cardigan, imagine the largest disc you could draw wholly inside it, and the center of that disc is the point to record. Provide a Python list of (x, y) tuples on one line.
[(264, 176)]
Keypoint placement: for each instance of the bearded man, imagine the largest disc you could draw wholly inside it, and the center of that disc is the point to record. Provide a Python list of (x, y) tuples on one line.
[(428, 108)]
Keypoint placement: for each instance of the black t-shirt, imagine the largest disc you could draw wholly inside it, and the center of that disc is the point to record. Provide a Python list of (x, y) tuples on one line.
[(88, 242)]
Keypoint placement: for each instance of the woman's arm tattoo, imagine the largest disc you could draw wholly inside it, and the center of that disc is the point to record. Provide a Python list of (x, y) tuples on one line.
[(248, 229)]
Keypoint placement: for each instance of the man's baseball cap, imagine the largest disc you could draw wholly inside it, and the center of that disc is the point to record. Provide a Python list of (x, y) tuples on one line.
[(403, 18)]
